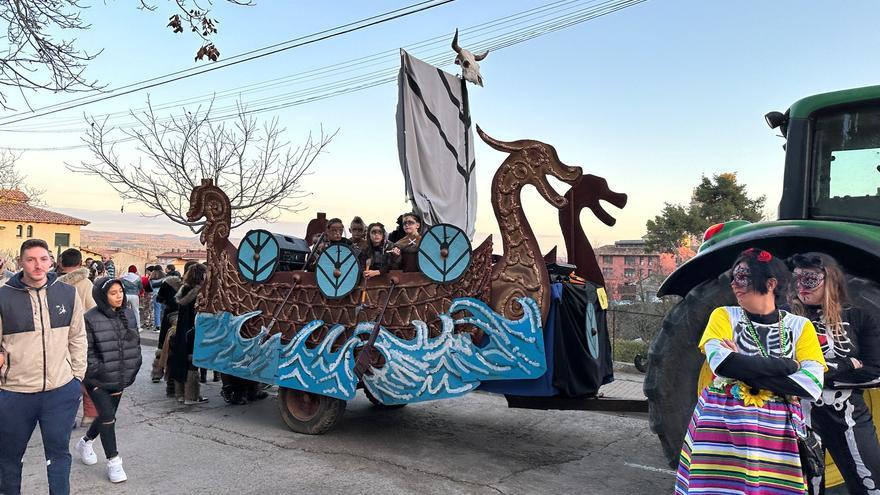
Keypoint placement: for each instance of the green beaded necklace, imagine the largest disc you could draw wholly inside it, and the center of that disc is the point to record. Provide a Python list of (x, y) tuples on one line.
[(757, 339)]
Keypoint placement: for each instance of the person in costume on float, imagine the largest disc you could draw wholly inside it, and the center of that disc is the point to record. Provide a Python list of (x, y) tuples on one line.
[(377, 259), (743, 434), (357, 230), (407, 248), (333, 235), (850, 341)]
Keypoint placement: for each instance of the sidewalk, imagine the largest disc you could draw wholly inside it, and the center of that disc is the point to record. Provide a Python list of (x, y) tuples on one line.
[(626, 385)]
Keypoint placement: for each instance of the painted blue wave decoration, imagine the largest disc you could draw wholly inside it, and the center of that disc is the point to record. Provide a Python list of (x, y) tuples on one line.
[(420, 369)]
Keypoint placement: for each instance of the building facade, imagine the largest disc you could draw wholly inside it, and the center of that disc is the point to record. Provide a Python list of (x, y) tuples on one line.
[(632, 273), (179, 258), (20, 221)]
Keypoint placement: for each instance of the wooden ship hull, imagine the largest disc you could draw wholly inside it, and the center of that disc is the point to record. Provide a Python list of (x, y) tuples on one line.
[(415, 297)]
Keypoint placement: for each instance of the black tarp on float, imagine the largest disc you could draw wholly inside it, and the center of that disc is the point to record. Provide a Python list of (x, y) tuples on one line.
[(582, 349), (576, 346)]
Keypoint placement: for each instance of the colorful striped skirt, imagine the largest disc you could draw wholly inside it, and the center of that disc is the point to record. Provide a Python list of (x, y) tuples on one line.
[(733, 448)]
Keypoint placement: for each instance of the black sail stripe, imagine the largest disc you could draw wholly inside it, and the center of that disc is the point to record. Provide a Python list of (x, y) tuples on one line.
[(428, 113)]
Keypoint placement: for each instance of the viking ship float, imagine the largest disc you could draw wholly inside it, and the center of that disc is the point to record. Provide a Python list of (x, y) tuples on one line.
[(466, 319), (460, 321)]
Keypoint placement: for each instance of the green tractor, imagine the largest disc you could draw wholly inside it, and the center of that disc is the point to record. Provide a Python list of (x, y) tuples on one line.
[(830, 203)]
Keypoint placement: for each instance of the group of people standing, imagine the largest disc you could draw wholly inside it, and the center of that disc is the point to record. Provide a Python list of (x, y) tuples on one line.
[(377, 250), (773, 371), (61, 334), (70, 330)]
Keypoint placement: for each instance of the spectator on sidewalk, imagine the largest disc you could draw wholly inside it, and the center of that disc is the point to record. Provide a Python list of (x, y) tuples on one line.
[(114, 359), (131, 281), (72, 273), (5, 272), (109, 266), (146, 300), (156, 278), (165, 296), (186, 377), (171, 270), (43, 360), (100, 270)]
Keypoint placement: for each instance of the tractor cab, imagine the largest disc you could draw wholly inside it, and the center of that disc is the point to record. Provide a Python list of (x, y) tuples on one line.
[(832, 165), (830, 195)]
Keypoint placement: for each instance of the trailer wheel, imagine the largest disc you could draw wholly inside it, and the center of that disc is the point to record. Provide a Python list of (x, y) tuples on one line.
[(305, 412), (674, 363), (372, 398)]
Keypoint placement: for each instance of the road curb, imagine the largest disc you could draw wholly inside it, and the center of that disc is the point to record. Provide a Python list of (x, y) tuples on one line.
[(626, 367)]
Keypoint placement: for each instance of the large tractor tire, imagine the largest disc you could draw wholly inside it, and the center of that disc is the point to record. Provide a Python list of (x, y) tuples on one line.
[(674, 363), (309, 413)]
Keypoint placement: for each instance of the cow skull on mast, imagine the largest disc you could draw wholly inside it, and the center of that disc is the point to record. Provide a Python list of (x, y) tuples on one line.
[(470, 69)]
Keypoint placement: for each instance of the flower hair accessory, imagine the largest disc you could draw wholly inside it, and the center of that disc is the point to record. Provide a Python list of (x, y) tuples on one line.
[(760, 255)]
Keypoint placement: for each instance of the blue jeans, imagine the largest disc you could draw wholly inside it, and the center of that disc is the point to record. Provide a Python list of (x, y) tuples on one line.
[(157, 310), (55, 410)]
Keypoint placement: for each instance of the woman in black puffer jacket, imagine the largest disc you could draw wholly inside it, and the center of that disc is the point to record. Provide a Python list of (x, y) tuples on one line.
[(114, 359)]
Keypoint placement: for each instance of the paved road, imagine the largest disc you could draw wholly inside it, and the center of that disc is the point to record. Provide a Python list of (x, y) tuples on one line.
[(473, 444)]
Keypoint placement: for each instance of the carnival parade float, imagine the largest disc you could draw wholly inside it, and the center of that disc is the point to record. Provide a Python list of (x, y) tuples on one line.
[(465, 320)]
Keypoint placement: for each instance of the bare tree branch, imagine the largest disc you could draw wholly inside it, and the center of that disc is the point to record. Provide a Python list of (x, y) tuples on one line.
[(39, 57), (11, 178), (253, 164)]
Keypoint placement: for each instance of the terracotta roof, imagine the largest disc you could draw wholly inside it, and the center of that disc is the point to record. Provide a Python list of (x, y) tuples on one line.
[(184, 255), (13, 195), (16, 211)]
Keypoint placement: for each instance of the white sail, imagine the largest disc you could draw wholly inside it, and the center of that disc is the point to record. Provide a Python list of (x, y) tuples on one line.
[(436, 144)]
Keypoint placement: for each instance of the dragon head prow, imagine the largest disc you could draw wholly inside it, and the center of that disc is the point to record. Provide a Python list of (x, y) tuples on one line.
[(196, 203), (587, 193), (537, 160)]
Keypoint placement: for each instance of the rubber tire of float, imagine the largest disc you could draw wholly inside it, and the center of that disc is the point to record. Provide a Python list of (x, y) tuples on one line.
[(322, 412), (373, 400), (674, 363)]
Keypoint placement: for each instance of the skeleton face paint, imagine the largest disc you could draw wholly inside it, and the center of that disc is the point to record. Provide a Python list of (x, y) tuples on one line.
[(742, 277), (808, 280)]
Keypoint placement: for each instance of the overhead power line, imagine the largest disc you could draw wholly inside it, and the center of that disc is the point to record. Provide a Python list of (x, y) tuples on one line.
[(253, 55), (485, 36), (481, 33)]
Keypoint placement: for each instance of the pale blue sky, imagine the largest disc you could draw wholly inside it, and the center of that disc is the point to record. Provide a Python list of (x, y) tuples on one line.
[(650, 97)]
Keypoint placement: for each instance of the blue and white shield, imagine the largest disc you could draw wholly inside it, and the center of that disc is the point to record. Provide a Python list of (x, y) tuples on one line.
[(258, 255), (444, 253)]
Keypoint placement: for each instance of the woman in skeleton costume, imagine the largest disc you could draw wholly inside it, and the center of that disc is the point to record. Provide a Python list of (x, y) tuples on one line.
[(850, 341), (743, 434)]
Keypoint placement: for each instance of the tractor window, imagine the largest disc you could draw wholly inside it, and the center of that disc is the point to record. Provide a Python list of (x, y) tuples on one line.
[(846, 166)]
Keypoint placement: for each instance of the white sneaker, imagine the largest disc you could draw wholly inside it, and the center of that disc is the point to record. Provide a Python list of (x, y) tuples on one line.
[(115, 471), (85, 451)]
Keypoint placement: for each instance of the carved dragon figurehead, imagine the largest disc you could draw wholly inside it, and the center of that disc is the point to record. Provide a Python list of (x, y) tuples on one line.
[(521, 271), (211, 203), (587, 193)]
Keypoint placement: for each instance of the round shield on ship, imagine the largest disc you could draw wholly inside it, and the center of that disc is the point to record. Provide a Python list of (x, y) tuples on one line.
[(337, 271), (258, 255), (444, 253)]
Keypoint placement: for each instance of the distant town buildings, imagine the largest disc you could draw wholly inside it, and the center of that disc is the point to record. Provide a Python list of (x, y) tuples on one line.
[(179, 257), (20, 221), (632, 273)]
